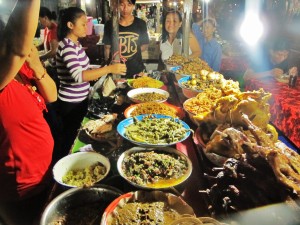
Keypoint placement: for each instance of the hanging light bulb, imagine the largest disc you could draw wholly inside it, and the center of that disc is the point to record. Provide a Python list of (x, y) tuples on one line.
[(251, 29)]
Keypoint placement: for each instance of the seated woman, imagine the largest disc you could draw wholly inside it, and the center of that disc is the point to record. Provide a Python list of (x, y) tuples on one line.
[(171, 43), (211, 49), (273, 62)]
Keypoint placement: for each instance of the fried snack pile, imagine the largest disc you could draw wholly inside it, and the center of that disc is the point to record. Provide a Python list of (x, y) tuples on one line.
[(149, 97), (194, 66), (177, 60), (154, 108), (188, 65), (146, 82), (205, 101)]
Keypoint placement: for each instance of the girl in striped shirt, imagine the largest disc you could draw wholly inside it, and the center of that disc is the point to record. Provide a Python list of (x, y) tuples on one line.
[(72, 66)]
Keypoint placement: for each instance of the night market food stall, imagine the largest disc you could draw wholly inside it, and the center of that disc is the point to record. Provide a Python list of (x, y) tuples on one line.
[(232, 160)]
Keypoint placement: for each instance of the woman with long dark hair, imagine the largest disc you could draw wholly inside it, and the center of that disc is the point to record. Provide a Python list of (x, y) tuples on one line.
[(172, 42), (74, 74)]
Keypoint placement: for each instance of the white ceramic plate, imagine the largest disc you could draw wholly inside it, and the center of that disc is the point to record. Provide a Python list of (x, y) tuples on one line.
[(134, 92)]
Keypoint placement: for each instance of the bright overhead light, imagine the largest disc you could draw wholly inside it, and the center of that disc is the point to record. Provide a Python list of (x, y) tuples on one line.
[(87, 1), (251, 29)]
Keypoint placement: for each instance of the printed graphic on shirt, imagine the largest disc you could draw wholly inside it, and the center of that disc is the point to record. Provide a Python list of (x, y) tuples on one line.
[(128, 44)]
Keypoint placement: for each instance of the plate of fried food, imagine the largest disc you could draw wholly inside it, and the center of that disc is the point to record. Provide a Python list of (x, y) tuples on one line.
[(140, 95), (154, 130), (102, 129), (154, 108), (144, 82)]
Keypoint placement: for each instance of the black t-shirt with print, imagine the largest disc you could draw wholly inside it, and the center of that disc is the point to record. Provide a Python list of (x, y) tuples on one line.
[(131, 38)]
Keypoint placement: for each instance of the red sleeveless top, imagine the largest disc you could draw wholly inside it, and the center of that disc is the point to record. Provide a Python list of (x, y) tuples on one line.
[(26, 143)]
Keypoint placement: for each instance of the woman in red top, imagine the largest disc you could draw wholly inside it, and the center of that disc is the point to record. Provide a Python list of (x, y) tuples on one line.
[(26, 143)]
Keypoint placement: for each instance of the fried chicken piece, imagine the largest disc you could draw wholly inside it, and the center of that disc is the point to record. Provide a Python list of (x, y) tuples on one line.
[(284, 163), (229, 109), (227, 142), (285, 170), (260, 135)]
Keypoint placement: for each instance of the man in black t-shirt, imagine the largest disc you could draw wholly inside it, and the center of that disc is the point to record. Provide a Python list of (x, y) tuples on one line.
[(133, 38)]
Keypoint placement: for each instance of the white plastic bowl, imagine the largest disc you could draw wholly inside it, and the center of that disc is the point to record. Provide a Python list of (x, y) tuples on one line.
[(136, 91), (78, 161)]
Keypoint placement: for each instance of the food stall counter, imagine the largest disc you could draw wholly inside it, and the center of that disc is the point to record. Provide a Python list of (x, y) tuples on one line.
[(284, 105)]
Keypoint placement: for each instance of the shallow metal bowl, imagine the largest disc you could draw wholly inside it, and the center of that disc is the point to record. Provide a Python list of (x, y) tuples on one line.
[(72, 199)]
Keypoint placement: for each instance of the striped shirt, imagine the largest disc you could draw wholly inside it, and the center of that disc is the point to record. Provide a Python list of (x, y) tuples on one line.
[(71, 60)]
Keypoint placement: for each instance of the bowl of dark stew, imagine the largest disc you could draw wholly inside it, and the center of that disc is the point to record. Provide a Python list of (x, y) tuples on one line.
[(154, 168)]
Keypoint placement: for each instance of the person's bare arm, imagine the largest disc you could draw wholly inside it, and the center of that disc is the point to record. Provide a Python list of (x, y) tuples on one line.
[(17, 39), (194, 46), (94, 74), (250, 74), (51, 53), (107, 51), (44, 82)]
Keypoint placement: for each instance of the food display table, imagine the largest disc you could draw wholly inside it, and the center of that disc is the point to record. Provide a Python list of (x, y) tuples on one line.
[(195, 190), (189, 190), (284, 106)]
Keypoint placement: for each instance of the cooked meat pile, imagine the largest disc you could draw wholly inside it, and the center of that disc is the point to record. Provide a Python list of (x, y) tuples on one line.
[(245, 184), (231, 142), (259, 170), (135, 213)]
